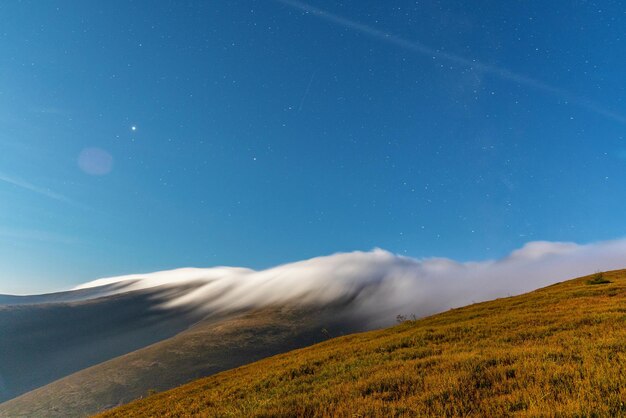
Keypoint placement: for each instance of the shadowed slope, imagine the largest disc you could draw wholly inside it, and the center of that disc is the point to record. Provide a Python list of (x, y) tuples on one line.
[(43, 342), (211, 346), (559, 350)]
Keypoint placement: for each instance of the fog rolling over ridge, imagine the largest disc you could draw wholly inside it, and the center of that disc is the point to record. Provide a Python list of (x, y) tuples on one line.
[(380, 283), (112, 340)]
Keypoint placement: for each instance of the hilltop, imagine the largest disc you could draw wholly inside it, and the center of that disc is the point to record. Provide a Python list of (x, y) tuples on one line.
[(557, 350)]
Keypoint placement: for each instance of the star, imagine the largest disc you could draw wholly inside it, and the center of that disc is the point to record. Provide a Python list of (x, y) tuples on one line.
[(133, 128)]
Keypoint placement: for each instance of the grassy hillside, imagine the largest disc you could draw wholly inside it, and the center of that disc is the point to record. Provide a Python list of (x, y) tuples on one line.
[(560, 350), (210, 346)]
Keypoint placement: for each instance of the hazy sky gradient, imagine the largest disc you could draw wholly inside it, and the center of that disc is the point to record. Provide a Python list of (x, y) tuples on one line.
[(140, 136)]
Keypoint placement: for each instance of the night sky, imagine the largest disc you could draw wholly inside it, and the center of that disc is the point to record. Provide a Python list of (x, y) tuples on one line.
[(138, 135)]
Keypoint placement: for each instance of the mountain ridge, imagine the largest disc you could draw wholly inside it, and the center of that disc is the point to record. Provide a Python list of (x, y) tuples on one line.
[(558, 350)]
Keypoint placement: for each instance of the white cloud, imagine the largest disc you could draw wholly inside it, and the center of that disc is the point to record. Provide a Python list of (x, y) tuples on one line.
[(383, 284)]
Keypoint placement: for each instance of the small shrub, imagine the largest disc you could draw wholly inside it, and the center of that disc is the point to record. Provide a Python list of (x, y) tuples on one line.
[(598, 278)]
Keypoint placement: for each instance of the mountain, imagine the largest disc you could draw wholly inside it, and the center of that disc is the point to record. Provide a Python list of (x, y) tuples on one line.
[(210, 346), (558, 351), (114, 340), (48, 337), (66, 296)]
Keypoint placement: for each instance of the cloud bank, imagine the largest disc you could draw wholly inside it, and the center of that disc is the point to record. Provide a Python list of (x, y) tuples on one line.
[(379, 284)]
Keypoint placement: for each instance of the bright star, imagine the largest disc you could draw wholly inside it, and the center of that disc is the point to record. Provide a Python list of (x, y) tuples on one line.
[(133, 128)]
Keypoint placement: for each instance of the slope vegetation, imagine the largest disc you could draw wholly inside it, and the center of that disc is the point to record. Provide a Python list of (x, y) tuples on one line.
[(560, 350)]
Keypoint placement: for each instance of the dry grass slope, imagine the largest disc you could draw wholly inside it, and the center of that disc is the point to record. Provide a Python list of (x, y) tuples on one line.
[(560, 350)]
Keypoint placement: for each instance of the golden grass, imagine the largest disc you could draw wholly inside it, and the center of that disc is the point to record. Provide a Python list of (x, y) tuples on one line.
[(558, 351)]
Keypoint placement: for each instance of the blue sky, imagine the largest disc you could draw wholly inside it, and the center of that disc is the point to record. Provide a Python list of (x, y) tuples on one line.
[(139, 136)]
